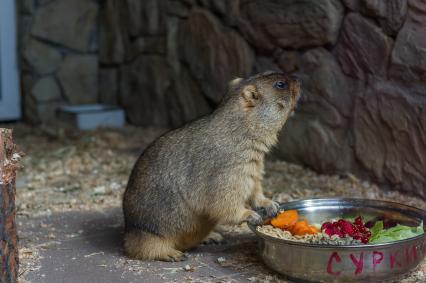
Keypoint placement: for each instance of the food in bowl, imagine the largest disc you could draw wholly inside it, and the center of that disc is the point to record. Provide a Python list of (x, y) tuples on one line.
[(354, 262), (289, 225)]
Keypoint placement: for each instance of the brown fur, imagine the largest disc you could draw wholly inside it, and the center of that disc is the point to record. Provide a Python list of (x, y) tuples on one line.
[(208, 172)]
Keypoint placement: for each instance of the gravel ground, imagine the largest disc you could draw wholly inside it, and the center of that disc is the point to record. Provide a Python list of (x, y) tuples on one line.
[(65, 170)]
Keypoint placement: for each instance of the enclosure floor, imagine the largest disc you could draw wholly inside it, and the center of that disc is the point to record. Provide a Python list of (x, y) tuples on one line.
[(88, 249), (70, 223)]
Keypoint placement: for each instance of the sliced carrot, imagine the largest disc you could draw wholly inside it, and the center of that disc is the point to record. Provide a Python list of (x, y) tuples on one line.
[(291, 221), (279, 223), (286, 219), (301, 228)]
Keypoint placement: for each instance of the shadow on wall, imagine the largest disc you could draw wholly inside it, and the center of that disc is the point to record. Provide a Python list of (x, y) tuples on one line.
[(362, 64)]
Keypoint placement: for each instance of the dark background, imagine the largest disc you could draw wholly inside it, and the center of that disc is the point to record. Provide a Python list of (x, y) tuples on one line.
[(166, 62)]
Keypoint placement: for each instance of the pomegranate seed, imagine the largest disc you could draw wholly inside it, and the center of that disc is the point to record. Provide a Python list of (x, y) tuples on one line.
[(326, 225), (338, 229), (348, 228), (369, 224), (343, 228), (358, 221), (329, 231)]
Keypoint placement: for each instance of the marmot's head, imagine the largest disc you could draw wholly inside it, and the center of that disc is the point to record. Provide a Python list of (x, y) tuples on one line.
[(268, 98)]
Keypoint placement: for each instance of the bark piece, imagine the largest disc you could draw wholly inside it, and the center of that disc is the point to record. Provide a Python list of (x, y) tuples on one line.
[(8, 238)]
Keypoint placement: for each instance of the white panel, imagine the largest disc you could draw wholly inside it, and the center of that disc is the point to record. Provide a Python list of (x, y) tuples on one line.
[(10, 108)]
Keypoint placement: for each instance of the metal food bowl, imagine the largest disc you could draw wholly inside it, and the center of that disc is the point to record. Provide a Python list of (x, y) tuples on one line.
[(348, 263)]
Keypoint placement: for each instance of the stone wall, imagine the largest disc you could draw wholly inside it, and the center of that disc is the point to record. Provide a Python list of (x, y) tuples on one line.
[(362, 64), (59, 51)]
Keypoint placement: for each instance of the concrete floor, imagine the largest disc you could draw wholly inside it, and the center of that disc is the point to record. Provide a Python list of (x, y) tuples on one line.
[(86, 247)]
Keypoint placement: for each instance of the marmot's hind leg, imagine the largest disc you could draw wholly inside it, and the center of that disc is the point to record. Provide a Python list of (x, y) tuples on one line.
[(213, 238), (146, 246)]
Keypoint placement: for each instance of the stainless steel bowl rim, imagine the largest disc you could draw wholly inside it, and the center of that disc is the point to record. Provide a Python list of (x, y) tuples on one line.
[(334, 247)]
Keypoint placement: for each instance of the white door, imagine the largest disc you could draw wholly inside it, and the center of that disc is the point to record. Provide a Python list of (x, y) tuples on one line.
[(10, 108)]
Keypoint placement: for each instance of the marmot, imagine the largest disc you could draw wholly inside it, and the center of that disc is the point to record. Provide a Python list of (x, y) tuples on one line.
[(208, 171)]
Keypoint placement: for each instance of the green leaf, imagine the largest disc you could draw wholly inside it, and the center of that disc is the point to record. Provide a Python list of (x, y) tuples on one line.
[(399, 232), (378, 226)]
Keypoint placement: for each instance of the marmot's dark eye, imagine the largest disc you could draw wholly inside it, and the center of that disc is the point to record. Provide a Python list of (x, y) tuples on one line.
[(280, 85)]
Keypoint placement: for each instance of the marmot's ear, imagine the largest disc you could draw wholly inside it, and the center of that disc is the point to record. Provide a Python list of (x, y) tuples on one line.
[(250, 95)]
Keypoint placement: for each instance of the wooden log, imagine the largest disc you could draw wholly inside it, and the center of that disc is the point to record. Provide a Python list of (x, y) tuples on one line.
[(8, 237)]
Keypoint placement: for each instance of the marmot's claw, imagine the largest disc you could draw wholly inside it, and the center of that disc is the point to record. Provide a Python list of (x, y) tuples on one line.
[(272, 209), (269, 211), (255, 219), (176, 256)]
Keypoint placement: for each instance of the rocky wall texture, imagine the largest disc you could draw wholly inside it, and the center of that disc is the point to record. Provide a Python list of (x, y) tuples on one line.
[(362, 64), (59, 54)]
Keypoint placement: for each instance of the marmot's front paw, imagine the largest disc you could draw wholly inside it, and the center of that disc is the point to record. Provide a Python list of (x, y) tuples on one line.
[(271, 210), (268, 208), (254, 218)]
